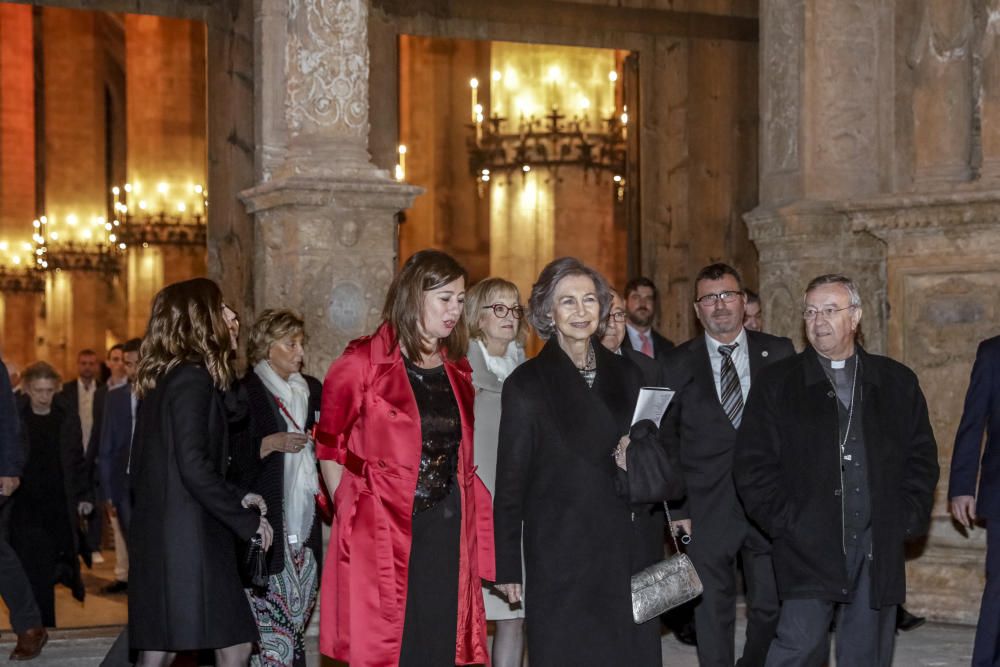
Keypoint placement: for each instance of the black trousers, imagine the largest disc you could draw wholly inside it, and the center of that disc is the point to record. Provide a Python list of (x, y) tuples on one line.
[(865, 636), (14, 586), (715, 612), (987, 647), (430, 626)]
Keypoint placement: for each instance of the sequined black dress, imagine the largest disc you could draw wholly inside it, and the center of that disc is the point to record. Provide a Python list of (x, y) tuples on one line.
[(432, 583)]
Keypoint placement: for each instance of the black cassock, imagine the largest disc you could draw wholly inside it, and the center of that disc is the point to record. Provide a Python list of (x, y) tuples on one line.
[(584, 530), (184, 586)]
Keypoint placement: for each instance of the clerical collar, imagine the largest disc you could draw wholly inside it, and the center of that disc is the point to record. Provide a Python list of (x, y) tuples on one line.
[(836, 364)]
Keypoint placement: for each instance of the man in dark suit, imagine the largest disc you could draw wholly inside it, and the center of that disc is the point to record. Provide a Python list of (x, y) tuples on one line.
[(712, 374), (84, 397), (641, 305), (836, 461), (25, 616), (113, 458), (614, 336), (982, 412)]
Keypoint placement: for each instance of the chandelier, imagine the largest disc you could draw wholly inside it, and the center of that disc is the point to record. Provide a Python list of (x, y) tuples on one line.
[(18, 272), (69, 243), (169, 214), (499, 146)]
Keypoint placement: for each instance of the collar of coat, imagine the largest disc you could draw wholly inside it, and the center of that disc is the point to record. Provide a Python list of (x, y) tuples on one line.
[(385, 350), (814, 373)]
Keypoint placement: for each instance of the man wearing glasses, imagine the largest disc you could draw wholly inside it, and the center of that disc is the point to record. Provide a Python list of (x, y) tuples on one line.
[(836, 462), (712, 374)]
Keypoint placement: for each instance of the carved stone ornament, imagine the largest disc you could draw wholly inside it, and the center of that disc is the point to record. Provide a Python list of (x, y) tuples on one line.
[(327, 67)]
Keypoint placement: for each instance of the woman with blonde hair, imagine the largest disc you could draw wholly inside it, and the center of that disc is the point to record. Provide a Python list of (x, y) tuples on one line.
[(273, 456), (497, 330), (412, 534), (185, 591)]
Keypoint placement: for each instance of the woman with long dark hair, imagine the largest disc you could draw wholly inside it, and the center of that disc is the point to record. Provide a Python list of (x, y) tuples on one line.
[(185, 591), (411, 530)]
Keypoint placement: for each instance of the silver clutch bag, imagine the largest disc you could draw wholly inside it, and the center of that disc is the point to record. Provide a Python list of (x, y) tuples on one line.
[(664, 585)]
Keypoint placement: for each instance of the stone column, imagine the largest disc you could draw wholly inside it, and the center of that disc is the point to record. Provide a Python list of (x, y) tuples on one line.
[(166, 121), (824, 138), (988, 59), (77, 303), (324, 215), (17, 171), (941, 57)]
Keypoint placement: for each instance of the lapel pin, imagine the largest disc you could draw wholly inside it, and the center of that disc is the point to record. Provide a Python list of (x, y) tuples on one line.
[(764, 353)]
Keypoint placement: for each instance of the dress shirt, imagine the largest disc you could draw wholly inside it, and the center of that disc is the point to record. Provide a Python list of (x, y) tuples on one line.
[(85, 405), (635, 337), (741, 358)]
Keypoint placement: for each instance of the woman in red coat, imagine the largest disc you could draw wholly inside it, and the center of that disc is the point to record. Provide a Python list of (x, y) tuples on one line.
[(412, 530)]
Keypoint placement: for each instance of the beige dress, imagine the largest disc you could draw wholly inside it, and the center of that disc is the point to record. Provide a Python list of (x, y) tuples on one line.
[(487, 429)]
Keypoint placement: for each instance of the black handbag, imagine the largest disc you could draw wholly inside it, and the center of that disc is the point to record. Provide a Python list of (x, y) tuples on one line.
[(253, 565)]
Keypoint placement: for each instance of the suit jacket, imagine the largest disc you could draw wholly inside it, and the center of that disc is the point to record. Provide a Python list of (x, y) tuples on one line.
[(561, 496), (70, 400), (653, 371), (661, 344), (12, 448), (982, 412), (788, 471), (705, 437), (114, 444)]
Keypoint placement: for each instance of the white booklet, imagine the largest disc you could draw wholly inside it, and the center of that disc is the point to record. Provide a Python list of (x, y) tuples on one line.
[(652, 404)]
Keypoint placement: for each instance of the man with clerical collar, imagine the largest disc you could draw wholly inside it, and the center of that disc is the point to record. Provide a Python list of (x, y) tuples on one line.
[(712, 375), (836, 461)]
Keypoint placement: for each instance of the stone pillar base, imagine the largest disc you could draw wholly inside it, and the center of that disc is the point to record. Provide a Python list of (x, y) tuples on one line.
[(327, 248)]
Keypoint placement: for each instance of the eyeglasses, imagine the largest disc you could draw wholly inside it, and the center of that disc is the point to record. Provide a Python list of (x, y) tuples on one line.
[(809, 314), (501, 310), (712, 299), (617, 316)]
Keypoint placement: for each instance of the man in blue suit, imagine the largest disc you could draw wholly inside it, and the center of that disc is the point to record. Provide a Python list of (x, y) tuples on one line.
[(113, 459), (982, 411)]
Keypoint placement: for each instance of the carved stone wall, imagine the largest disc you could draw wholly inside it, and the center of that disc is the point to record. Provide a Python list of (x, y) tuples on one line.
[(943, 258), (884, 168)]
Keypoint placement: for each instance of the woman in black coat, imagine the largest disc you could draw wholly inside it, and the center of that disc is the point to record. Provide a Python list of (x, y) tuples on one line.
[(581, 487), (273, 457), (184, 586), (54, 490)]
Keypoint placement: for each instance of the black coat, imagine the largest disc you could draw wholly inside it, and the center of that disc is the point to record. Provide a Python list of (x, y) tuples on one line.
[(556, 474), (24, 518), (12, 450), (787, 472), (184, 586), (704, 437), (266, 477), (69, 399)]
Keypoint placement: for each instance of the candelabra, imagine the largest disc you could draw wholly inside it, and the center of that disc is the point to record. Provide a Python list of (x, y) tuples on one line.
[(171, 216)]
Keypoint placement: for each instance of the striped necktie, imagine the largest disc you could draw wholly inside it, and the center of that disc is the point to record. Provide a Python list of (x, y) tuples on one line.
[(732, 391)]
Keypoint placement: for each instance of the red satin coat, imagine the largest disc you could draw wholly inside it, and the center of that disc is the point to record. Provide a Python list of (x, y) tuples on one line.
[(369, 423)]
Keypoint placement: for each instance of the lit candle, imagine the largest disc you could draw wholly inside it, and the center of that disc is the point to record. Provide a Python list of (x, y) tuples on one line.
[(401, 164), (613, 79), (474, 85)]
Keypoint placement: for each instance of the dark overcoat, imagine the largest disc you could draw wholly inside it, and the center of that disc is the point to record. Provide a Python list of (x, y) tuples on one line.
[(266, 476), (981, 412), (184, 585), (583, 537), (787, 472)]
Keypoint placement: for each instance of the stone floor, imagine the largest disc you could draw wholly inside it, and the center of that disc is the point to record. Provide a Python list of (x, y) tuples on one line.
[(934, 645), (87, 630)]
